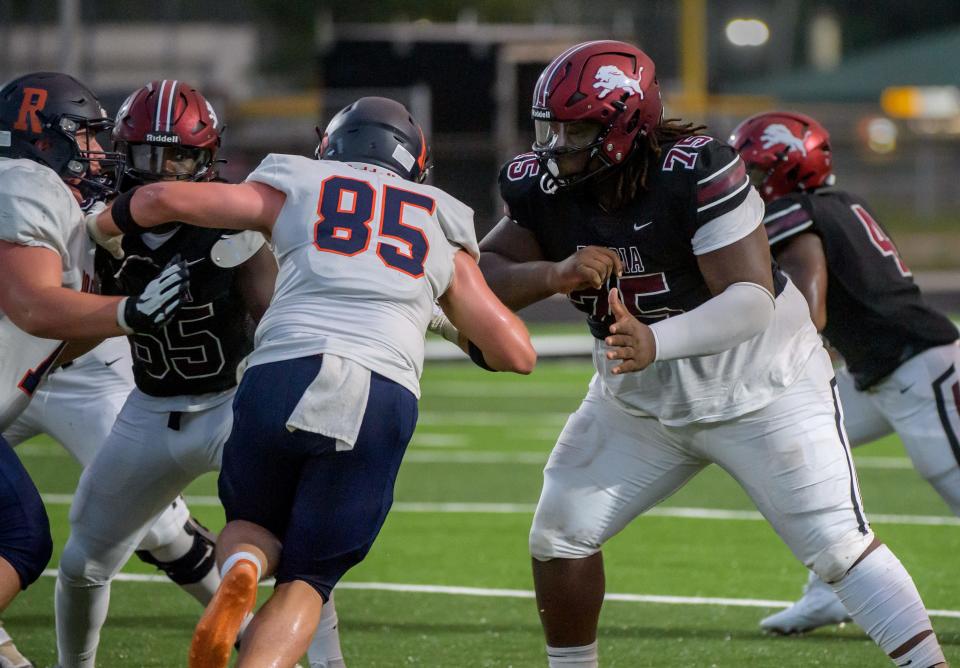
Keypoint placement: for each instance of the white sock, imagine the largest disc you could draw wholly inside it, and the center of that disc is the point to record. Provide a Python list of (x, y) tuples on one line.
[(324, 651), (926, 654), (882, 598), (4, 636), (241, 556), (573, 657), (81, 612)]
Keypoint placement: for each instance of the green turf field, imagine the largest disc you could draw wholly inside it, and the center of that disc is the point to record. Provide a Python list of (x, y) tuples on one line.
[(457, 536)]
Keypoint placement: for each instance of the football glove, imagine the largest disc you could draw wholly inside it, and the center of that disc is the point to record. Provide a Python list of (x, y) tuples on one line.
[(440, 324), (159, 301), (109, 243)]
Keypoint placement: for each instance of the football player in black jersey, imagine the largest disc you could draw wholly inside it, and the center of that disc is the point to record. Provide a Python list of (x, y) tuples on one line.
[(704, 352), (172, 427), (901, 355)]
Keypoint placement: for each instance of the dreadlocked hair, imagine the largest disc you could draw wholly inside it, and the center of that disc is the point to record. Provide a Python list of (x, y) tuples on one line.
[(632, 177)]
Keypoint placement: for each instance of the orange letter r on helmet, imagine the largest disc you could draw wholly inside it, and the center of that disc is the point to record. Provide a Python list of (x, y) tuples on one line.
[(34, 100)]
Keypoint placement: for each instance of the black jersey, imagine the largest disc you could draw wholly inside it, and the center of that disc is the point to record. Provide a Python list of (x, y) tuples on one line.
[(876, 316), (199, 349), (697, 199)]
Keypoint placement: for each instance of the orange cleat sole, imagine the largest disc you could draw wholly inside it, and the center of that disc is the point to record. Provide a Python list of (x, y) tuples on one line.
[(217, 629)]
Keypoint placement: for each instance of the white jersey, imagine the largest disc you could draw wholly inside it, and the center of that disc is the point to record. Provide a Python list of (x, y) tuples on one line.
[(363, 255), (712, 388), (36, 209)]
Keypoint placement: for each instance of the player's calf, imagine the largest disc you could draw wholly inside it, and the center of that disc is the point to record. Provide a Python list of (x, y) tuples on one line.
[(882, 598)]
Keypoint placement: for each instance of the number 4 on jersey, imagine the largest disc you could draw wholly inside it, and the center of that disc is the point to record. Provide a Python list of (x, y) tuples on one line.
[(879, 238), (346, 207)]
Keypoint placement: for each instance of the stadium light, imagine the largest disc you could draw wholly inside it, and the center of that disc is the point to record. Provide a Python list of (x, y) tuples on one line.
[(747, 32), (939, 102), (881, 135)]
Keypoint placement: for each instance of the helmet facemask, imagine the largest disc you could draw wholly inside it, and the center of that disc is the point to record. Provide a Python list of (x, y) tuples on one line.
[(148, 163), (86, 166), (558, 141)]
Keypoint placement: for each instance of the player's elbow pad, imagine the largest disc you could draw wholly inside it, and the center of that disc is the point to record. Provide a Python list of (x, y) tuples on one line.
[(723, 322)]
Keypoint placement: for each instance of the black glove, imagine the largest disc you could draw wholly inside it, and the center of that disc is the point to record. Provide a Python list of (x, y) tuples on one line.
[(153, 308)]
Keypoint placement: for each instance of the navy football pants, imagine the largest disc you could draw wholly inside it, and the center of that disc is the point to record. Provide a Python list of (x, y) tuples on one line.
[(24, 528), (326, 507)]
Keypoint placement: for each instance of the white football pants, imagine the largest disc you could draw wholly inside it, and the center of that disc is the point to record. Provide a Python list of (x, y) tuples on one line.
[(141, 469), (920, 401)]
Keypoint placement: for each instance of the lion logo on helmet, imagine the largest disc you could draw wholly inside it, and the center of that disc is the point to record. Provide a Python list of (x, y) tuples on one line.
[(610, 78), (777, 133)]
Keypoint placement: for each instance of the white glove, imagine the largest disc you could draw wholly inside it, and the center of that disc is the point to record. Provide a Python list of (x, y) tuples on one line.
[(109, 243), (440, 324)]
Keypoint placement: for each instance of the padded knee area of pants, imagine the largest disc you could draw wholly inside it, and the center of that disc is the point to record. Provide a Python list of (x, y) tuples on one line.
[(561, 541), (79, 569), (832, 563), (167, 527)]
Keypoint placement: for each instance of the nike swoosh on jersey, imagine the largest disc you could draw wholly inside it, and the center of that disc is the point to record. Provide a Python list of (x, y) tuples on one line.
[(112, 362), (637, 227)]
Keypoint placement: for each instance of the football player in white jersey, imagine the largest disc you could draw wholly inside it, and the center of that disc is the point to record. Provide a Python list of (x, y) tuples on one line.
[(704, 353), (51, 163), (329, 401), (173, 425)]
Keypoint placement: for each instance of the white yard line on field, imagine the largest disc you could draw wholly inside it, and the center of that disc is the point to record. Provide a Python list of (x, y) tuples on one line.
[(528, 508), (491, 419), (448, 439), (443, 440), (540, 458), (515, 593), (525, 389)]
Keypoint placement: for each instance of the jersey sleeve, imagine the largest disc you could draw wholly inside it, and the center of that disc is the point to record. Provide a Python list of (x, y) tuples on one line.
[(36, 209), (283, 173), (787, 217), (727, 208), (517, 178), (456, 220)]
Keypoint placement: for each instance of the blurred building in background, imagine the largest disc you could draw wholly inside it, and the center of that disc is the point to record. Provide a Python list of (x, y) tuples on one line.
[(882, 78)]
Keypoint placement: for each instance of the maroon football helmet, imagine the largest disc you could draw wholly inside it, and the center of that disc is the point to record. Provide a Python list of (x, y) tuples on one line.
[(613, 84), (784, 151), (168, 131)]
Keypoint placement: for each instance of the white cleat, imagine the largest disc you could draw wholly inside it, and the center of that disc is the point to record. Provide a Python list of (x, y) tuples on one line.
[(818, 606)]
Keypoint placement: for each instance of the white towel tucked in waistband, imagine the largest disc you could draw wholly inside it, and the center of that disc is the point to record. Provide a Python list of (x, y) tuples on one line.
[(334, 403)]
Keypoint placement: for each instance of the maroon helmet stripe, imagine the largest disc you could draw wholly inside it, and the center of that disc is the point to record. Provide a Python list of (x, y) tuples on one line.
[(156, 116), (170, 98), (540, 95)]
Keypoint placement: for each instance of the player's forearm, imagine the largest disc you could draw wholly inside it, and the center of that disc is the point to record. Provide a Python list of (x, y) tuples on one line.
[(723, 322), (517, 284), (62, 313)]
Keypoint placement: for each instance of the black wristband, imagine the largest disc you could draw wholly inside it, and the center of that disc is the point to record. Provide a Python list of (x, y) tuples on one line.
[(477, 356), (122, 217)]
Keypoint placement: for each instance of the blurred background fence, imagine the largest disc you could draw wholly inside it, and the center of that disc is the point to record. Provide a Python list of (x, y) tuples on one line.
[(882, 76)]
